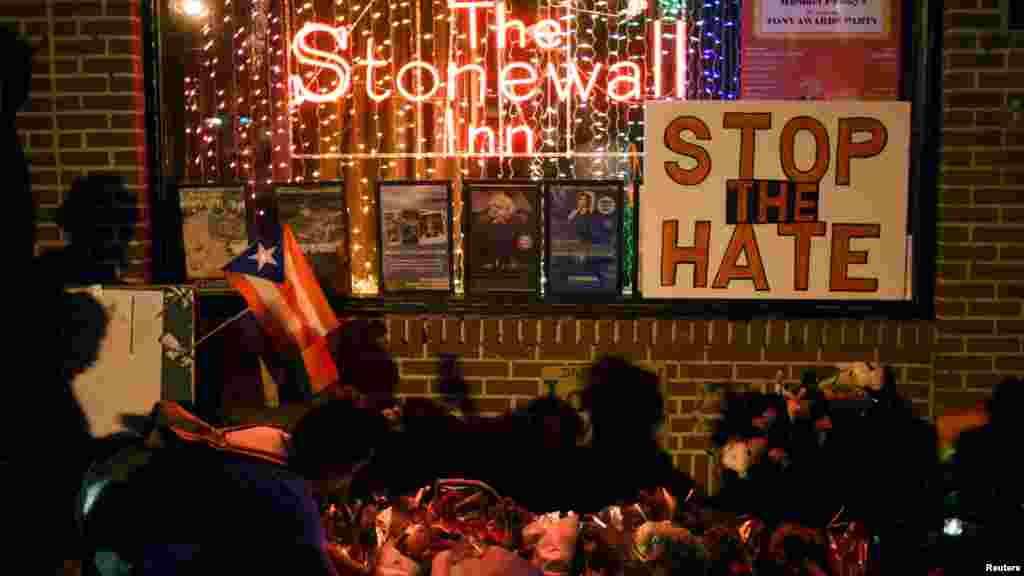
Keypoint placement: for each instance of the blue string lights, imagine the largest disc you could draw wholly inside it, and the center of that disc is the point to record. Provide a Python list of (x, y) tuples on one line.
[(715, 36)]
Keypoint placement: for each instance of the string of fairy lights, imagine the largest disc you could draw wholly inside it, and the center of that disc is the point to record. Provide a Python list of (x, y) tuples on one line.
[(242, 125)]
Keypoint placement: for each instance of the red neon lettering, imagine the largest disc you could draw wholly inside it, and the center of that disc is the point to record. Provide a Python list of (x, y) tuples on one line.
[(565, 90), (504, 27), (307, 54), (474, 35)]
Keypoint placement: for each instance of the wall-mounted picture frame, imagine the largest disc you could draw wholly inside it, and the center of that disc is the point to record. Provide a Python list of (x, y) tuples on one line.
[(214, 229), (583, 240), (503, 233), (414, 235), (318, 216)]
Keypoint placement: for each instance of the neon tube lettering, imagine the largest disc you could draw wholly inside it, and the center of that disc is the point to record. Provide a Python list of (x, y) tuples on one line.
[(624, 80), (481, 131), (454, 70), (474, 35), (564, 91), (517, 81), (507, 84), (657, 59), (421, 97), (634, 78), (511, 131), (547, 34), (503, 27), (307, 54), (680, 59)]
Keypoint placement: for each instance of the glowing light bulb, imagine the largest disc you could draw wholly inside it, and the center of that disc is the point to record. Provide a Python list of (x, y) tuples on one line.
[(193, 8)]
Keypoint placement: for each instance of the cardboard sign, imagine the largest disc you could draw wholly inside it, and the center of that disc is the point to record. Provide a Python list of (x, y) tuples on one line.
[(776, 200)]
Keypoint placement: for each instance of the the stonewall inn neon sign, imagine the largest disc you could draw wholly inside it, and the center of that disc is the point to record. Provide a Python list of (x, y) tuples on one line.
[(418, 81)]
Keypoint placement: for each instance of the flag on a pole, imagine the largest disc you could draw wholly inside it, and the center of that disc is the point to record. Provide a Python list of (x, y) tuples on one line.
[(283, 293)]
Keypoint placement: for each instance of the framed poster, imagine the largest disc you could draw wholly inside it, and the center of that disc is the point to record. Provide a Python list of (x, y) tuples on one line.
[(502, 236), (214, 228), (317, 215), (414, 233), (797, 50), (583, 237)]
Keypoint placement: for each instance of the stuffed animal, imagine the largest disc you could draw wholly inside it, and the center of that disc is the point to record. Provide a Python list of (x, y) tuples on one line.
[(551, 542), (856, 380)]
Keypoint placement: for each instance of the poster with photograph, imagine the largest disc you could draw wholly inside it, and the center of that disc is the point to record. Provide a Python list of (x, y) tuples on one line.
[(415, 236), (503, 236), (584, 237), (213, 228), (821, 50), (316, 213)]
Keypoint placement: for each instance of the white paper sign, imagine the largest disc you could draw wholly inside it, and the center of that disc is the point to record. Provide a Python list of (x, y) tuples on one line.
[(127, 376), (775, 200)]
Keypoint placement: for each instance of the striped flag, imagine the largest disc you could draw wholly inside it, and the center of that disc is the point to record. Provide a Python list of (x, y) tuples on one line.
[(279, 285)]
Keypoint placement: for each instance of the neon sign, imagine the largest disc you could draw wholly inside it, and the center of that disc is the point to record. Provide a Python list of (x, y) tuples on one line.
[(517, 81)]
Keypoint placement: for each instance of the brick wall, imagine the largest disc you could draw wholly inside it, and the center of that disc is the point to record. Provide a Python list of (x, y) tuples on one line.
[(84, 116), (981, 206), (85, 109), (503, 359)]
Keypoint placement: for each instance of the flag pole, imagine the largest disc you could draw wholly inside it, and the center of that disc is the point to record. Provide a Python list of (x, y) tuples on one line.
[(220, 327)]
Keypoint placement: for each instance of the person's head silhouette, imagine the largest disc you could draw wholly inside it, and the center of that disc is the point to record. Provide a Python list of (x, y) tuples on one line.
[(624, 401), (99, 216), (1007, 399)]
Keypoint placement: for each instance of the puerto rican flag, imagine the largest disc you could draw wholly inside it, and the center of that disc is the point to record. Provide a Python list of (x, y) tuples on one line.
[(283, 294)]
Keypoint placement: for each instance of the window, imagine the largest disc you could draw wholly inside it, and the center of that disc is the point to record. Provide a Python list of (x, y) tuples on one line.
[(258, 93)]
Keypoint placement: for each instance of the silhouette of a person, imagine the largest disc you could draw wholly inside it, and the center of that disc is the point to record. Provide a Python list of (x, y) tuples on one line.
[(99, 215), (14, 87)]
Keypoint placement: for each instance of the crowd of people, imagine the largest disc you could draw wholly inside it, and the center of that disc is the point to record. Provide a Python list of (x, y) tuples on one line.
[(191, 510), (188, 509)]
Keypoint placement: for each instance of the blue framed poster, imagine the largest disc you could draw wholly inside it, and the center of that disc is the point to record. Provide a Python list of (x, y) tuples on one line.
[(583, 238)]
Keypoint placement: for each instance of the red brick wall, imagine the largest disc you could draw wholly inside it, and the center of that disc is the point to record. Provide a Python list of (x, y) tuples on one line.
[(84, 115), (85, 109), (503, 359)]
